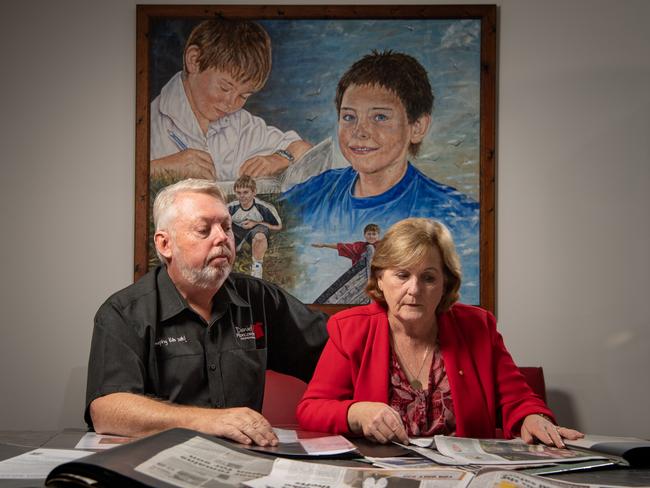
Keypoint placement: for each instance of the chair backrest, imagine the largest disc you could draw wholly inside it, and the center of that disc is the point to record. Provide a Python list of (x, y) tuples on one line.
[(281, 396), (535, 378)]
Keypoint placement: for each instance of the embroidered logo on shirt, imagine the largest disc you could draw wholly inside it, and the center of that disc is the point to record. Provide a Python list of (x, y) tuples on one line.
[(245, 333), (166, 341)]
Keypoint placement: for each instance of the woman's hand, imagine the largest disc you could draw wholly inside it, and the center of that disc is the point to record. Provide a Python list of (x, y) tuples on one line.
[(538, 427), (377, 421)]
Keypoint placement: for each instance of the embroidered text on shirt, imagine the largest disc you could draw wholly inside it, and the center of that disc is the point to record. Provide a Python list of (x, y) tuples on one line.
[(165, 341)]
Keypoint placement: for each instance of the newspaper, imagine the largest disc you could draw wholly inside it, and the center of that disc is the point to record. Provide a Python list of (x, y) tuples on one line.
[(297, 474), (201, 462), (401, 462), (515, 479), (37, 463), (500, 452), (435, 456)]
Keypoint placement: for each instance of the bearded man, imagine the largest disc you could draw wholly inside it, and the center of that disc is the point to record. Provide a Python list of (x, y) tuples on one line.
[(189, 343)]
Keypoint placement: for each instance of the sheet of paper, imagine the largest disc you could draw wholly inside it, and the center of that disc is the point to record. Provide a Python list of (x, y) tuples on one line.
[(286, 435), (325, 446), (38, 463), (92, 440)]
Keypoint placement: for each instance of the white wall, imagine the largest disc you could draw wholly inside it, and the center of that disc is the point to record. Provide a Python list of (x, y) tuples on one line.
[(573, 176)]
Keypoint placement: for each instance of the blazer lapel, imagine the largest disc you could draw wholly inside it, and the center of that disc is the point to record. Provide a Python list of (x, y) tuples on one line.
[(473, 417)]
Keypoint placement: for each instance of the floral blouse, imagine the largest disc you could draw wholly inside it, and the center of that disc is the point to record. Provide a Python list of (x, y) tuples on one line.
[(424, 412)]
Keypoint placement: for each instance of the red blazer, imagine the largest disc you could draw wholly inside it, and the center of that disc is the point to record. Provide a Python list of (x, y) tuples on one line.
[(482, 375)]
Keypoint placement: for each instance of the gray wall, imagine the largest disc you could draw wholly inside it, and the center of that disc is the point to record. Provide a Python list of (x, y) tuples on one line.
[(573, 175)]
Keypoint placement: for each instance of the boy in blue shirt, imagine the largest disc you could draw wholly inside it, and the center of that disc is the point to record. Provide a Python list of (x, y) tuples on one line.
[(384, 102)]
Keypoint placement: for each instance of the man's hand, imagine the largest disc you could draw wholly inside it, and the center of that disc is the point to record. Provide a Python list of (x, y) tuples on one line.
[(264, 165), (133, 415), (187, 163), (377, 421), (242, 425), (538, 427)]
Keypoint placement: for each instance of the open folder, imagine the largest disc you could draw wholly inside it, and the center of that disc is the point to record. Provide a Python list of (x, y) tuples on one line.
[(188, 458), (175, 453)]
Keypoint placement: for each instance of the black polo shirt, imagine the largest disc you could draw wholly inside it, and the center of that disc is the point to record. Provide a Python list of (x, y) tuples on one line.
[(148, 340)]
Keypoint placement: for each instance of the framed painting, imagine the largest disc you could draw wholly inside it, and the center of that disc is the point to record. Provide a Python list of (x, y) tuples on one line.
[(289, 109)]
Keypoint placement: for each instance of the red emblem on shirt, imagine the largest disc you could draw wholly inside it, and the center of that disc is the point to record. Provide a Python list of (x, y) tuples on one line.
[(258, 330)]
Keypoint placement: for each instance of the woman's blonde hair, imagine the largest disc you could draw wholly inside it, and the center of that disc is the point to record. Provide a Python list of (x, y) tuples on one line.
[(405, 244)]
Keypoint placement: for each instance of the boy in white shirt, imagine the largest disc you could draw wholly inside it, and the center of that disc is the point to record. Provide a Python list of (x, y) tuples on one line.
[(198, 125)]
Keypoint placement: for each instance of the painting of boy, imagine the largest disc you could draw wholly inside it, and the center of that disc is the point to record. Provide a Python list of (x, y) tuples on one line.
[(430, 167), (384, 103), (199, 127), (252, 221), (355, 251)]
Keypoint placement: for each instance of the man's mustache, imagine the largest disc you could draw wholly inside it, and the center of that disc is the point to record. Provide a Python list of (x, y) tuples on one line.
[(219, 252)]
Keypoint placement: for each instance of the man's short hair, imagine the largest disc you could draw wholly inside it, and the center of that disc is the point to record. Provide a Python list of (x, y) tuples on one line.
[(397, 72), (238, 47), (245, 181), (371, 228), (405, 244), (164, 211)]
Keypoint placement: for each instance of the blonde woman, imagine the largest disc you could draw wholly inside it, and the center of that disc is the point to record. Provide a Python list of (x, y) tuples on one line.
[(417, 363)]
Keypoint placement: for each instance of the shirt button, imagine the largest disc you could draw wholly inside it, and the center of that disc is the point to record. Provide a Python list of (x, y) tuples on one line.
[(213, 367)]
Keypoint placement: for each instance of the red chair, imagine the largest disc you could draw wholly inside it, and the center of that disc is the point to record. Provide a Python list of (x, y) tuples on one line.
[(281, 396)]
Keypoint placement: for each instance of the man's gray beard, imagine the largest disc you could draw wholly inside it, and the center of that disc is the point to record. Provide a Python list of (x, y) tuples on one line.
[(205, 277)]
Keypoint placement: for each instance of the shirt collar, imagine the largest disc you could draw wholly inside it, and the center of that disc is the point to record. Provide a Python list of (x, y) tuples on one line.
[(172, 302), (228, 292), (175, 105), (400, 188)]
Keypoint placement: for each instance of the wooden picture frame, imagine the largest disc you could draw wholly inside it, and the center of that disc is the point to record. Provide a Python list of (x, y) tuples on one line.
[(474, 25)]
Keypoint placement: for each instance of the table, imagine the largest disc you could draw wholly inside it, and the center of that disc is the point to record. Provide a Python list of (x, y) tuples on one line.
[(13, 443)]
